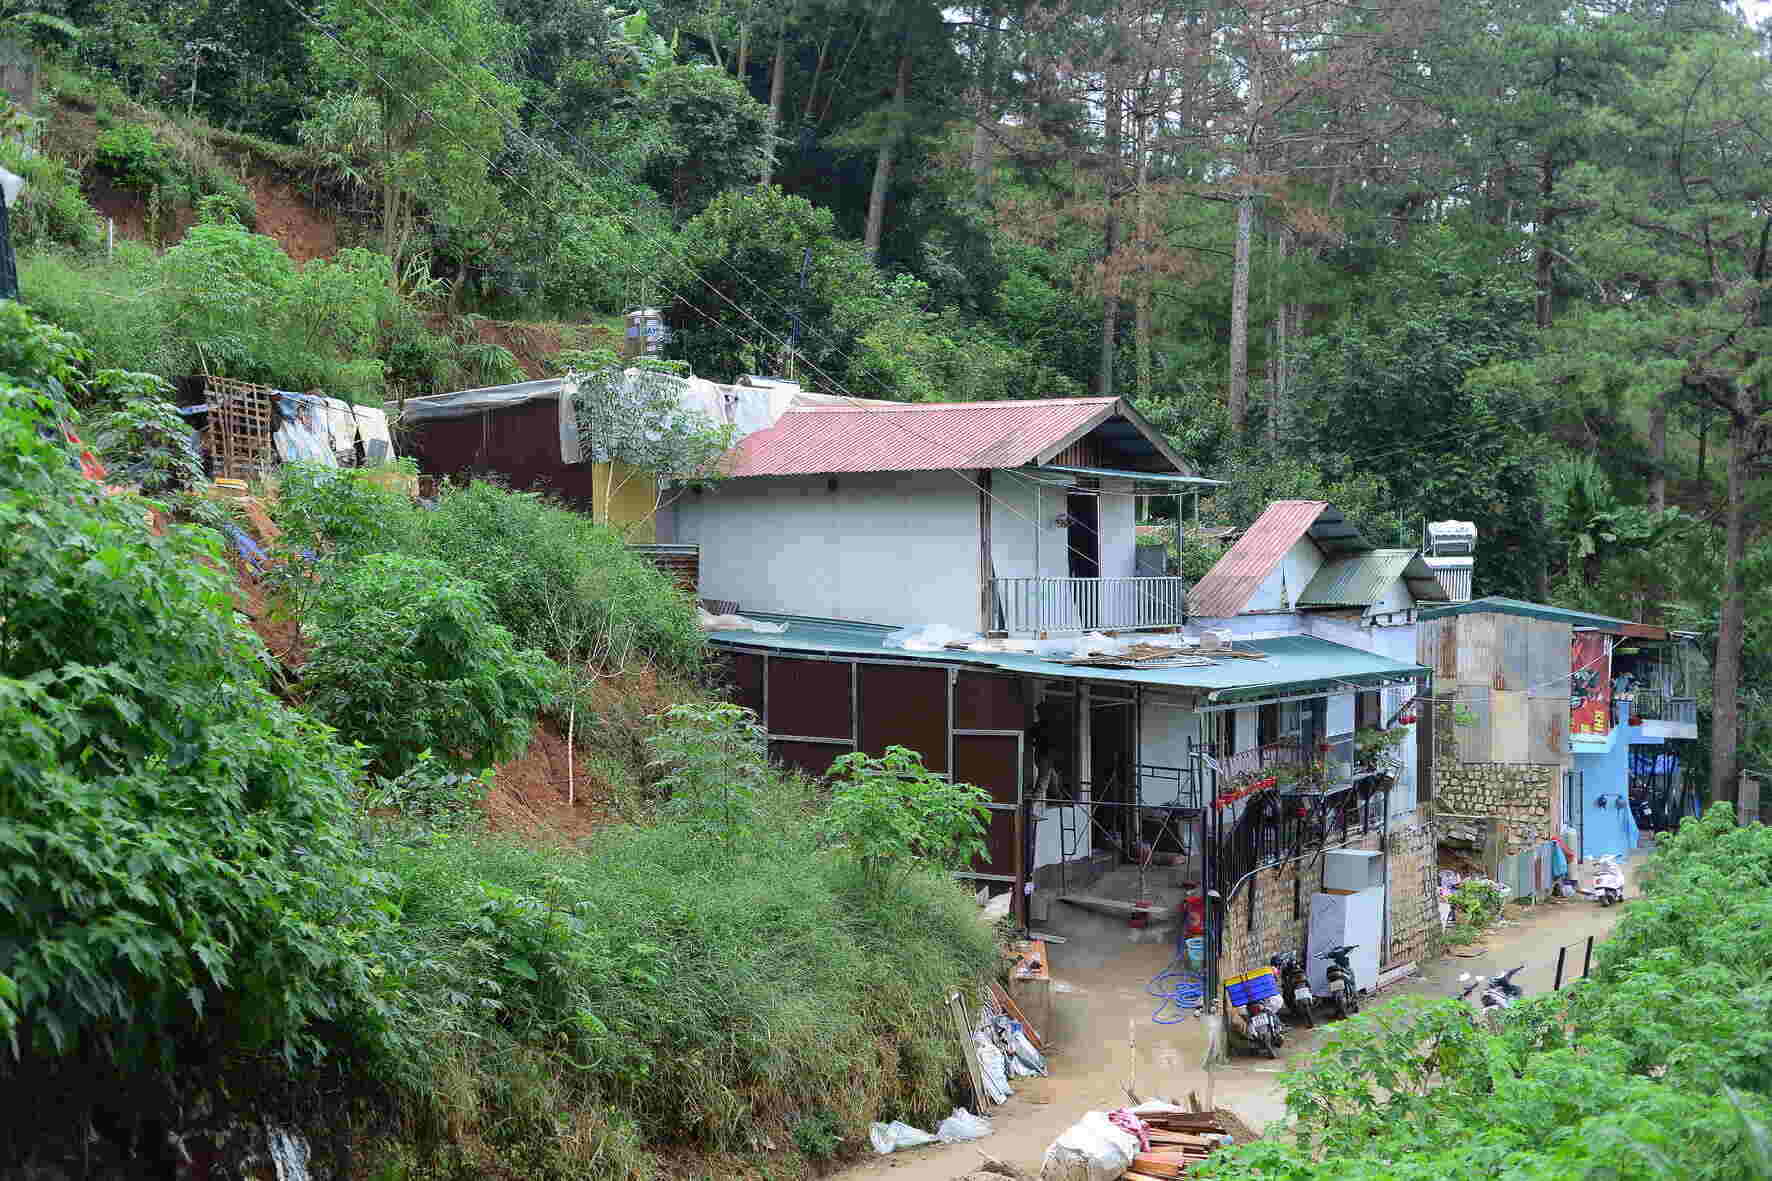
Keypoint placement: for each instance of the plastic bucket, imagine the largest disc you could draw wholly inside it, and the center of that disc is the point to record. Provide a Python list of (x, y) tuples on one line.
[(1196, 953)]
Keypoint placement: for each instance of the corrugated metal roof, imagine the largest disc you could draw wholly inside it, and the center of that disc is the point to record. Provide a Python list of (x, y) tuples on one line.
[(1227, 587), (1359, 580), (1294, 664), (1498, 605), (920, 436)]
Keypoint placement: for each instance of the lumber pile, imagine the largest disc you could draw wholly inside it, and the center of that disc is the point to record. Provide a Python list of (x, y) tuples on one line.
[(1179, 1140)]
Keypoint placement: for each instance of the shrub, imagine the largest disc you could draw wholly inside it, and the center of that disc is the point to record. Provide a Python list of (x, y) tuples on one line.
[(561, 582), (430, 791), (51, 210), (133, 157), (407, 659), (146, 440), (715, 759), (176, 880), (894, 816)]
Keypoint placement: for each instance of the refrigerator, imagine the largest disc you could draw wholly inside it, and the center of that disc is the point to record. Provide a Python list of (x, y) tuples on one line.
[(1337, 919)]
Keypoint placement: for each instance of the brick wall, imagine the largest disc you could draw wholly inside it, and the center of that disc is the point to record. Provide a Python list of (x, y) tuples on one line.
[(1412, 860), (1519, 795), (1275, 928)]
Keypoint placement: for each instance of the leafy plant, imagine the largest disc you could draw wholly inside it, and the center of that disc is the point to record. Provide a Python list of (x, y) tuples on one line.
[(408, 659), (1477, 903), (894, 816), (430, 791), (1375, 750), (146, 440), (714, 760), (133, 156)]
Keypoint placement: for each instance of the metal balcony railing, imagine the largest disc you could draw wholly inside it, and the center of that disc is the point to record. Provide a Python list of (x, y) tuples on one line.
[(1657, 705), (1088, 604)]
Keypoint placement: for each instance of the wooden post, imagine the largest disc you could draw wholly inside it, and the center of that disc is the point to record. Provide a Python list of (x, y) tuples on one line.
[(1561, 952), (1747, 808)]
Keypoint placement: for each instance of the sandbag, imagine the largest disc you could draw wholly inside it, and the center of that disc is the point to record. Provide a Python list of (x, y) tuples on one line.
[(1092, 1149), (962, 1125), (889, 1138)]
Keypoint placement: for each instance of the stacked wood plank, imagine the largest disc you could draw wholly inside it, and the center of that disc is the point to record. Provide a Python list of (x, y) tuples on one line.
[(1179, 1140)]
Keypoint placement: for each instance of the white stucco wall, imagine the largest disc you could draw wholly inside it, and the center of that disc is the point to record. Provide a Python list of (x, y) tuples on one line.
[(1019, 504), (1396, 598), (1164, 730), (1118, 529), (895, 547), (1301, 564)]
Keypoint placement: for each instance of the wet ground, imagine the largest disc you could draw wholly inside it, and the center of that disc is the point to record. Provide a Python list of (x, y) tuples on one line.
[(1106, 1038)]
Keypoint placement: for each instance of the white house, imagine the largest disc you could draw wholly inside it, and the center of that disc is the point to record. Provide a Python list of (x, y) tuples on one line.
[(1013, 517)]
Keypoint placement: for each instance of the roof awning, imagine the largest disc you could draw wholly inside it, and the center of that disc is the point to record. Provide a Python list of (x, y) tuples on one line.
[(1159, 480)]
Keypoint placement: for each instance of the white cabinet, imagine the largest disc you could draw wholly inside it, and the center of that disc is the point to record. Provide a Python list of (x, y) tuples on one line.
[(1352, 869), (1338, 919)]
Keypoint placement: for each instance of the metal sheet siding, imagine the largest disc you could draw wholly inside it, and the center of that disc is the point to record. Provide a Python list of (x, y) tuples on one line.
[(1499, 605), (926, 436), (809, 698), (1226, 589), (1357, 580), (905, 706)]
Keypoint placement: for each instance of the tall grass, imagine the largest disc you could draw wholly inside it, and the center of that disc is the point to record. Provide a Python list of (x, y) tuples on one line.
[(685, 990)]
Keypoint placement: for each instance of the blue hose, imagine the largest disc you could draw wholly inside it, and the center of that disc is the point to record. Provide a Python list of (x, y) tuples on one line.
[(1180, 990)]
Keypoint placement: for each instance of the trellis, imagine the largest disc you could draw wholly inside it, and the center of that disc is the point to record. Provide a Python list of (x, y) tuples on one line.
[(242, 418)]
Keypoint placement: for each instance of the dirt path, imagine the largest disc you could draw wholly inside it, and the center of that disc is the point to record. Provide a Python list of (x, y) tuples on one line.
[(1099, 980)]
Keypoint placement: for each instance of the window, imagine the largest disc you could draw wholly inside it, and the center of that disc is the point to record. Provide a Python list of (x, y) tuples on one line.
[(1367, 712), (1267, 728)]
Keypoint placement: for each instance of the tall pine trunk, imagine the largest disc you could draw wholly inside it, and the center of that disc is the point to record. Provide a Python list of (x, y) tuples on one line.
[(777, 84), (1725, 762), (1545, 260), (1142, 293), (1658, 454), (984, 115), (1110, 288), (883, 161), (1239, 392)]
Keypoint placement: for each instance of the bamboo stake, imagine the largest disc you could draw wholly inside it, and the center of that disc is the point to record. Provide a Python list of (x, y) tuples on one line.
[(571, 787)]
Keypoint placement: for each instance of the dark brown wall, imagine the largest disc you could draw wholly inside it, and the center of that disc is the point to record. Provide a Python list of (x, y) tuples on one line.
[(904, 706), (809, 697), (521, 444), (983, 701)]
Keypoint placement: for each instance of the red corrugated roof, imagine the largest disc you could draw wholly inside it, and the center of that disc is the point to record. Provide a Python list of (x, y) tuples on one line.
[(1227, 587), (919, 436)]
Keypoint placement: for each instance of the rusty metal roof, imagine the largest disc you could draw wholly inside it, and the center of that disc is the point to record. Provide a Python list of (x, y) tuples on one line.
[(1359, 580), (1235, 577), (821, 438)]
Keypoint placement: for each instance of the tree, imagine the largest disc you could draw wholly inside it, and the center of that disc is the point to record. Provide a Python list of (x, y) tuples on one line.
[(715, 136), (1676, 245), (423, 113)]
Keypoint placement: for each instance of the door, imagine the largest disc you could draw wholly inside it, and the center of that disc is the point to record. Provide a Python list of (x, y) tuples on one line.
[(1084, 554), (1573, 811), (991, 759)]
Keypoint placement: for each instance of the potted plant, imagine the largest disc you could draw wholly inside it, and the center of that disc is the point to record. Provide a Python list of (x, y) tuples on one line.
[(1376, 757)]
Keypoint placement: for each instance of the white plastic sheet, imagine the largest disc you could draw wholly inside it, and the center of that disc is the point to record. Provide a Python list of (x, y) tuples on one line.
[(962, 1125), (1092, 1149), (889, 1138), (994, 1068)]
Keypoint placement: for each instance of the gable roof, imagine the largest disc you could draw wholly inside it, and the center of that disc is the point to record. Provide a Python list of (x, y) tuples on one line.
[(1234, 578), (1500, 605), (1359, 580), (819, 436)]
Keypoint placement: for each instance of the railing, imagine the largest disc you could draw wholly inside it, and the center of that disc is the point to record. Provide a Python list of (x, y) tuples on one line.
[(1285, 753), (1663, 707), (1088, 604)]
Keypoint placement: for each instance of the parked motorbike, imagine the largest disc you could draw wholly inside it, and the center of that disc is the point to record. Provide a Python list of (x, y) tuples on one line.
[(1266, 1034), (1608, 885), (1295, 988), (1499, 992), (1344, 991)]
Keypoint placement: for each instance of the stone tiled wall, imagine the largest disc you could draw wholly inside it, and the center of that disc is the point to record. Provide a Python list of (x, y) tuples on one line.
[(1519, 795), (1412, 859), (1276, 928)]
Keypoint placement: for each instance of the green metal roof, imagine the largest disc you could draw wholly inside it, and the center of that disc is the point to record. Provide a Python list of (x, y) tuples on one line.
[(1293, 664), (1497, 605), (1160, 478), (1359, 580)]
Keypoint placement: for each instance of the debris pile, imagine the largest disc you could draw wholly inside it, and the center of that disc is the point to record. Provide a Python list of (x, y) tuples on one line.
[(1151, 1142)]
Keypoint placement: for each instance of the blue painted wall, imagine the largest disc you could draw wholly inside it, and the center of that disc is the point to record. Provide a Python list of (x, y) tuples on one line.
[(1605, 771)]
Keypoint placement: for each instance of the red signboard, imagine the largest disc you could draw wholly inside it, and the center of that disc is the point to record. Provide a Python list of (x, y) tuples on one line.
[(1590, 684)]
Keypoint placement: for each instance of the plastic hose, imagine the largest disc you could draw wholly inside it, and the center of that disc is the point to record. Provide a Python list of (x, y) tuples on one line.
[(1180, 990)]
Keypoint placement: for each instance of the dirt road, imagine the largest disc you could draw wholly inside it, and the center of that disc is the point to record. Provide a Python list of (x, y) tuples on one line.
[(1100, 1004)]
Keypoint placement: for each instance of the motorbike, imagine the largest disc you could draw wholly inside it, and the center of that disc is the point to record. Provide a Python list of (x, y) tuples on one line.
[(1499, 992), (1295, 988), (1608, 885), (1266, 1034), (1344, 991)]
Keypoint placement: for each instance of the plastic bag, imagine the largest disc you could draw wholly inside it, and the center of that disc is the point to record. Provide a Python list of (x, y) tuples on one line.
[(962, 1125), (889, 1138), (1092, 1149), (933, 638), (994, 1069)]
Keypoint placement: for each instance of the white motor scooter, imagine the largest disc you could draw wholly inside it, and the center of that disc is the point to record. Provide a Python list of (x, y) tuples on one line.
[(1608, 885)]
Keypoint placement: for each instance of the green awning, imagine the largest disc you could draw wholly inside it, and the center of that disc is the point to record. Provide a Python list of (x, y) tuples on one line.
[(1167, 481)]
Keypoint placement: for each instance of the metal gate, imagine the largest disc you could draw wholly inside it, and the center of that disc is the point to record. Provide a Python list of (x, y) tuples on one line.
[(1574, 809)]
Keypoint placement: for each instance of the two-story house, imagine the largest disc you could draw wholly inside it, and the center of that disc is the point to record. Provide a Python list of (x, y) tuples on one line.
[(943, 576)]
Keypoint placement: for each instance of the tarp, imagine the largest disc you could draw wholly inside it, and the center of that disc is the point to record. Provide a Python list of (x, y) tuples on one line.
[(318, 429)]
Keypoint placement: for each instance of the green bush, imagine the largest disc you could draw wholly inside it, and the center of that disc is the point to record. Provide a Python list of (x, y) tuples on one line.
[(51, 210), (894, 816), (176, 878), (707, 1001), (133, 157), (146, 440), (715, 759), (561, 582), (408, 659)]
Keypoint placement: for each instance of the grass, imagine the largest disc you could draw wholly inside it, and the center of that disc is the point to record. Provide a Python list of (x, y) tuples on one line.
[(660, 988)]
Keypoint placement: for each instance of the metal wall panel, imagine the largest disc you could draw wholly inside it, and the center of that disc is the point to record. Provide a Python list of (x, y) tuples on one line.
[(809, 697), (993, 762), (814, 758), (1476, 649), (745, 669), (986, 702), (1475, 745), (902, 706), (1548, 733), (1514, 639), (1508, 726)]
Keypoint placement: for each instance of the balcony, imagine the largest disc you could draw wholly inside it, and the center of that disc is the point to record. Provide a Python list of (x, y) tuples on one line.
[(1088, 604), (1663, 715)]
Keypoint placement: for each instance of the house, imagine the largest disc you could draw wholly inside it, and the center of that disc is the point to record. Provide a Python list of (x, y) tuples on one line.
[(1303, 569), (526, 435), (1105, 782), (1551, 723), (1014, 517)]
